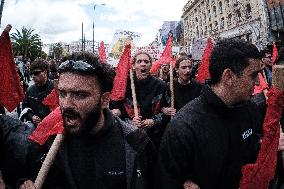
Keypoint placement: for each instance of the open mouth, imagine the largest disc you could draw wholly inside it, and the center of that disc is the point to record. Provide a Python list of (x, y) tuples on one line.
[(143, 71), (71, 120)]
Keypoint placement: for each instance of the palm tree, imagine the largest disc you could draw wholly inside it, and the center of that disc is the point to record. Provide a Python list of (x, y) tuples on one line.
[(56, 51), (1, 10), (26, 43)]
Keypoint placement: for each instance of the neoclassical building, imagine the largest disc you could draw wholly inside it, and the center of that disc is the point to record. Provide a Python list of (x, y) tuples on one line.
[(246, 19)]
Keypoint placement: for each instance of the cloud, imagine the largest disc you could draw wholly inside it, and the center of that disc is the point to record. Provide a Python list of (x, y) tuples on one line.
[(60, 20)]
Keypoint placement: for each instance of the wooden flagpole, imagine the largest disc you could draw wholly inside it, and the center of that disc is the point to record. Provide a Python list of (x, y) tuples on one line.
[(278, 82), (48, 161), (172, 86), (133, 93)]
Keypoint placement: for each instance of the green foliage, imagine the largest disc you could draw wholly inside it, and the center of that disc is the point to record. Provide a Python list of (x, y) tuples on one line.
[(26, 43), (56, 51)]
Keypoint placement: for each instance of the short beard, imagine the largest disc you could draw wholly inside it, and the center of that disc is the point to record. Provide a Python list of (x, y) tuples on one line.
[(87, 125)]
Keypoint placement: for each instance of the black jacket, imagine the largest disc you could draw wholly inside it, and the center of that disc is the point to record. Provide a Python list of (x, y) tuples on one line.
[(207, 142), (13, 148), (150, 94), (184, 93), (33, 100), (139, 159)]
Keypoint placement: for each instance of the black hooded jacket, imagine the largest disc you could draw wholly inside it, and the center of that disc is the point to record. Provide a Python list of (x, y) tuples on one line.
[(207, 142)]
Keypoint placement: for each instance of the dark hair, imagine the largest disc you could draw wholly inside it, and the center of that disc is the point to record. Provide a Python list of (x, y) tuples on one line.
[(233, 54), (179, 60), (39, 64), (103, 72), (141, 52), (264, 52)]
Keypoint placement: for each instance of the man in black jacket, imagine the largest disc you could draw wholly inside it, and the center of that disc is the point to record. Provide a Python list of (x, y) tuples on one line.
[(150, 94), (185, 87), (33, 108), (210, 138), (99, 150)]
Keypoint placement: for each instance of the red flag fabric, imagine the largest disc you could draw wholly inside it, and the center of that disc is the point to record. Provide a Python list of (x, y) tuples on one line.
[(51, 100), (120, 79), (165, 58), (11, 90), (203, 71), (259, 175), (155, 67), (102, 52), (262, 85), (50, 125), (274, 54)]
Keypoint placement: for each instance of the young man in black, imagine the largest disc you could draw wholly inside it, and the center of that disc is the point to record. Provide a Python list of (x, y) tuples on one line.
[(210, 138), (150, 94), (99, 150), (185, 87), (33, 108)]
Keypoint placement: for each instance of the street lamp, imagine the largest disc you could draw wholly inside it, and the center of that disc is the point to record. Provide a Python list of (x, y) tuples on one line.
[(94, 26)]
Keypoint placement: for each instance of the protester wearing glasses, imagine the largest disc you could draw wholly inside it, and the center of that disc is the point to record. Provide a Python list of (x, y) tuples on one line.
[(33, 109), (99, 150), (150, 94)]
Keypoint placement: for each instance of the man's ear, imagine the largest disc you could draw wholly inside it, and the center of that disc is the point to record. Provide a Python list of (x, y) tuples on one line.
[(228, 77), (105, 99)]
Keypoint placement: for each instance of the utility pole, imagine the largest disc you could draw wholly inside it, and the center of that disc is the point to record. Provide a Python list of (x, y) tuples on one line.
[(82, 36), (94, 26), (1, 10)]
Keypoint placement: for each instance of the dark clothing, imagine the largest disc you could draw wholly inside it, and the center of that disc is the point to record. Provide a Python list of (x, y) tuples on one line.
[(150, 94), (33, 100), (184, 93), (118, 156), (207, 142), (13, 149)]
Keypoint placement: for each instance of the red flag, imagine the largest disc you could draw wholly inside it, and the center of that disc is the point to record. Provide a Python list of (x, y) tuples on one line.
[(120, 79), (259, 175), (11, 91), (102, 52), (203, 71), (51, 100), (155, 67), (262, 85), (165, 58), (274, 54), (50, 125)]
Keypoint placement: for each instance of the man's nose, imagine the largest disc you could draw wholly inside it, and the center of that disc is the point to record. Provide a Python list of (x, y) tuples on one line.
[(66, 101)]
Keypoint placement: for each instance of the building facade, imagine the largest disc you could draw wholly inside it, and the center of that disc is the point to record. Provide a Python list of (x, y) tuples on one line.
[(247, 19)]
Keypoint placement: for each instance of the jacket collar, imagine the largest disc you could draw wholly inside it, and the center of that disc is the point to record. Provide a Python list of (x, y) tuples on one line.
[(215, 102)]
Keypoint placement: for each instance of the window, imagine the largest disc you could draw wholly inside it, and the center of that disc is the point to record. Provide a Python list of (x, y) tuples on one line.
[(222, 23), (238, 14), (229, 19), (214, 10), (248, 11), (220, 8), (216, 25)]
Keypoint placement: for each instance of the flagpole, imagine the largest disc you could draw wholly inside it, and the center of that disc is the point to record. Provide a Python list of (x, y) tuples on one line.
[(48, 161), (133, 93), (172, 85), (277, 81)]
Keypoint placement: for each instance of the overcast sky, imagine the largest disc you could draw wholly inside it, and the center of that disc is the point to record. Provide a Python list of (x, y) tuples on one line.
[(60, 20)]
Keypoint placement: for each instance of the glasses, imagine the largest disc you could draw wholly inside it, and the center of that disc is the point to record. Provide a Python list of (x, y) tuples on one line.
[(76, 66), (36, 72), (140, 61)]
